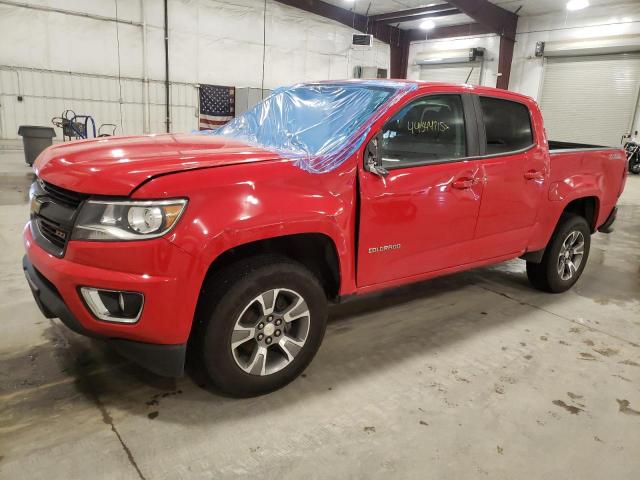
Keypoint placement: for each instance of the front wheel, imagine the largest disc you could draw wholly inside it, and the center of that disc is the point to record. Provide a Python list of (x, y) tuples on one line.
[(262, 322), (565, 256)]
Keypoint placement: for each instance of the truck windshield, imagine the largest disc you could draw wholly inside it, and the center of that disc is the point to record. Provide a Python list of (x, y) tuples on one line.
[(319, 125)]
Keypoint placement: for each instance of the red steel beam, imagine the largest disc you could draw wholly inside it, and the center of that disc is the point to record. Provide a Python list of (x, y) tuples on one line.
[(410, 12), (490, 18), (351, 19), (448, 32), (504, 62), (499, 21), (385, 33), (399, 50), (410, 18)]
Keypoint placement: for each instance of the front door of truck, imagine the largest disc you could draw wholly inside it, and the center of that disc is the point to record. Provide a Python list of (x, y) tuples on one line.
[(516, 176), (421, 217)]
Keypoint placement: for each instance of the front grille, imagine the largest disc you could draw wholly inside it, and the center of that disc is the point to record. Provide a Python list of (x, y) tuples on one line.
[(53, 232), (53, 213), (62, 195)]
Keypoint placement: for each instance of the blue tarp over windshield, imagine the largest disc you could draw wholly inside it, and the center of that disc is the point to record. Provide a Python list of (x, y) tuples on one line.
[(319, 125)]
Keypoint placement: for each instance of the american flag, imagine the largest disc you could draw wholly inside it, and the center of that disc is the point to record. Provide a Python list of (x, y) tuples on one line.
[(217, 105)]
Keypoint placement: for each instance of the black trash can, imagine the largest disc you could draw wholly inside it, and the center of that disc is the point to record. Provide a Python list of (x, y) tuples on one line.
[(35, 139)]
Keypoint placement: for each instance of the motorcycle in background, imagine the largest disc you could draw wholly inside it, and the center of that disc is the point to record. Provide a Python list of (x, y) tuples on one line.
[(632, 149)]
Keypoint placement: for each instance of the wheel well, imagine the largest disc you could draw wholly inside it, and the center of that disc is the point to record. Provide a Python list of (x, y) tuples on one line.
[(586, 207), (315, 251)]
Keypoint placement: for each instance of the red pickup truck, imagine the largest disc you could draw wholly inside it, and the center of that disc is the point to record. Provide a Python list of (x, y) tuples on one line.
[(233, 244)]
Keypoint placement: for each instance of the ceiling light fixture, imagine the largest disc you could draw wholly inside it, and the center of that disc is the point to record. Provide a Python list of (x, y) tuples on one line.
[(577, 4), (428, 25)]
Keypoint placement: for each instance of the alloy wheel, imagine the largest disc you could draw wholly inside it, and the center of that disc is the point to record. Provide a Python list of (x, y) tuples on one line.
[(270, 331), (571, 254)]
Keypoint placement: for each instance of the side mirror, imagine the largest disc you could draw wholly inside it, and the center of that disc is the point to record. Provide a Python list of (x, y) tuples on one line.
[(372, 158)]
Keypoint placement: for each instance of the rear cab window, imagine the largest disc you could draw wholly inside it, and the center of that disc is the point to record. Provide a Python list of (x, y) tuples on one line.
[(507, 125)]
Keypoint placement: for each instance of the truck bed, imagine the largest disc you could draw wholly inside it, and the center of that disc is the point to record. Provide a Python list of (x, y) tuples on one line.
[(602, 168), (556, 146)]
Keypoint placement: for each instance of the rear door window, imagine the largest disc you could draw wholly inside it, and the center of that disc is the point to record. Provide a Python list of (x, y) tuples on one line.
[(507, 125)]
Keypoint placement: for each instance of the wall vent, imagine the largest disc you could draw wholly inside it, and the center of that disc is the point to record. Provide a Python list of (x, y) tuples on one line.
[(362, 40)]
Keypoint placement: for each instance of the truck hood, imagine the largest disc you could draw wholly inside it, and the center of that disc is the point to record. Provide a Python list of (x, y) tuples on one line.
[(117, 165)]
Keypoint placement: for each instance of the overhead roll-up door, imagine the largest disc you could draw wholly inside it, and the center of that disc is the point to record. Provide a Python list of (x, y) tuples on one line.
[(590, 99)]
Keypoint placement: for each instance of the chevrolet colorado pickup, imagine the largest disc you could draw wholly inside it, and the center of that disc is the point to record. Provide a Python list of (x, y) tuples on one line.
[(234, 243)]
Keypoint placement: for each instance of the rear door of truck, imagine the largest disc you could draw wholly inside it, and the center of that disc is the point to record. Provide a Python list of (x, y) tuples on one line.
[(515, 164)]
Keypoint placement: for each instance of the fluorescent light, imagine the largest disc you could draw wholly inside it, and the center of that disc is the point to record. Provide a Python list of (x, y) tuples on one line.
[(577, 4), (427, 25)]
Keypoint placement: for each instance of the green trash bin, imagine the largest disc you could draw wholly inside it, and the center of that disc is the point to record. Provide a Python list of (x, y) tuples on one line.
[(35, 139)]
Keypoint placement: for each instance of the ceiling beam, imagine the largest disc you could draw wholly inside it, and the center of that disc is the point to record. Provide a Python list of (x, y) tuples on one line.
[(501, 22), (362, 23), (410, 18), (395, 37), (399, 56), (449, 31), (505, 58), (411, 11), (340, 15)]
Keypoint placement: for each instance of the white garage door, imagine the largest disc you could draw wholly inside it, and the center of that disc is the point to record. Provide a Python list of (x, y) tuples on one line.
[(590, 99), (454, 73)]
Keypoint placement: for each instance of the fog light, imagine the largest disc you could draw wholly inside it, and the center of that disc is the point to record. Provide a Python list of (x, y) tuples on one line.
[(113, 305)]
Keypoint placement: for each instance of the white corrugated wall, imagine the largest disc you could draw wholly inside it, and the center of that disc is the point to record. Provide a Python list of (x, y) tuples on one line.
[(454, 73), (57, 60)]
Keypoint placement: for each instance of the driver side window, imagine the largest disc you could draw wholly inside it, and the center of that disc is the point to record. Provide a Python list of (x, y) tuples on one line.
[(428, 130)]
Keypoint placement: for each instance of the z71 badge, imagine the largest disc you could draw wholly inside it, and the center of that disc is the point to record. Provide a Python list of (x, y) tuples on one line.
[(384, 248)]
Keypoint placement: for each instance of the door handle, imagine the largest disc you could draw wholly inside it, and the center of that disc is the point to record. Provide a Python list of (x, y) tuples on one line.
[(463, 183), (534, 175)]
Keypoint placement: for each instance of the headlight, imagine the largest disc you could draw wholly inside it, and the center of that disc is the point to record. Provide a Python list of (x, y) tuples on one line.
[(127, 220)]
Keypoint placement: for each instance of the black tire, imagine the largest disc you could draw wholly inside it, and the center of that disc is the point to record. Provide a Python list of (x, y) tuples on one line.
[(634, 166), (223, 299), (545, 275)]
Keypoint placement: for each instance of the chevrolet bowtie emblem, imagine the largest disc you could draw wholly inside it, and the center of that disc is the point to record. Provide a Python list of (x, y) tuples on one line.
[(36, 204)]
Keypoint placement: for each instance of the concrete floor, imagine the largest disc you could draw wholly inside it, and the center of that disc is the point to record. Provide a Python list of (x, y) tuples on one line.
[(472, 375)]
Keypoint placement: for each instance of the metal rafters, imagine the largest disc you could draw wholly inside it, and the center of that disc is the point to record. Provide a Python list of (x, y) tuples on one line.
[(410, 18), (499, 21), (431, 9), (449, 31), (395, 37), (490, 18), (362, 23)]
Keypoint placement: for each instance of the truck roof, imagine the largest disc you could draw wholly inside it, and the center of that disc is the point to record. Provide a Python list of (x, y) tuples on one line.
[(399, 83)]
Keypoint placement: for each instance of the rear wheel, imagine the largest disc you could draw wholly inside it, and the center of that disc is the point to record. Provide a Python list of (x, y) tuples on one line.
[(262, 322), (565, 256)]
